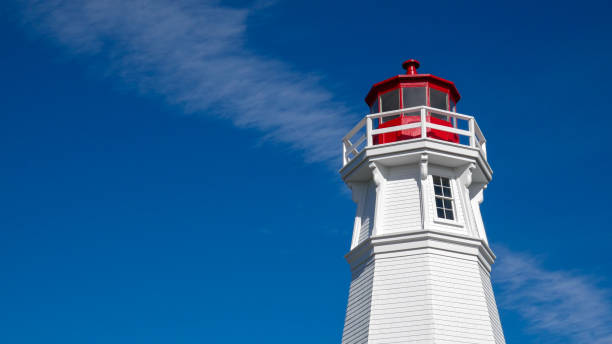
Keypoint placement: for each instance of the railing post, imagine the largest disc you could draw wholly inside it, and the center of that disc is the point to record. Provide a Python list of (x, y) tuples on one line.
[(423, 123), (472, 133), (369, 131)]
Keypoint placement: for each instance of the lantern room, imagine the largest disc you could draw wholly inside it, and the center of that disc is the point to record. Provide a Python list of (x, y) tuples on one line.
[(411, 90)]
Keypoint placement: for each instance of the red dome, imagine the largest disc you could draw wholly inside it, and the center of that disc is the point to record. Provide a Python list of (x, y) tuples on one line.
[(412, 79)]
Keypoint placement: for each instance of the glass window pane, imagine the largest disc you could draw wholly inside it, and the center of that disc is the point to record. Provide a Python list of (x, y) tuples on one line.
[(436, 180), (444, 201), (386, 119), (438, 99), (374, 108), (442, 117), (438, 190), (390, 101), (447, 192), (414, 96)]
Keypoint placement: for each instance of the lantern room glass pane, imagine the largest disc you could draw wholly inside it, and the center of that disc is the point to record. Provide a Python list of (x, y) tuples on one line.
[(374, 108), (390, 101), (438, 99), (414, 96)]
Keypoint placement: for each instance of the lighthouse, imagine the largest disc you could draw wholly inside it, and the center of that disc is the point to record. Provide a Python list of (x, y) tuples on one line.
[(419, 256)]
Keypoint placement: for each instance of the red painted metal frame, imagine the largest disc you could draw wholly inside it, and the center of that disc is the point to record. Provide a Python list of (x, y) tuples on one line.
[(407, 80), (408, 134), (413, 80)]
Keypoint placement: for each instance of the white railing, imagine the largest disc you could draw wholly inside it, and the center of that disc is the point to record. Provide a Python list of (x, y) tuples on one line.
[(363, 134)]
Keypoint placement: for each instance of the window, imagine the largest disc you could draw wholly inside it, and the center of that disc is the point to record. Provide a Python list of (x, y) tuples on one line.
[(390, 101), (414, 96), (438, 100), (375, 107), (444, 198)]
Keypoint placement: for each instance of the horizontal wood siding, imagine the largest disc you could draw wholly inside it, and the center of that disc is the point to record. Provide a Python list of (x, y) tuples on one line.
[(493, 313), (402, 309), (461, 313), (357, 321), (431, 298), (402, 203)]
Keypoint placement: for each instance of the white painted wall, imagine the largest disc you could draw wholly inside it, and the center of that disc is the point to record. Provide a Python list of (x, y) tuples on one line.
[(492, 306), (402, 203), (424, 295), (357, 320), (459, 301), (401, 309)]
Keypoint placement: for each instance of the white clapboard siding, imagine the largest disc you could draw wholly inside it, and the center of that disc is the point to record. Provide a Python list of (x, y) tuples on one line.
[(432, 298), (367, 218), (460, 310), (493, 313), (401, 311), (422, 280), (402, 204), (357, 321)]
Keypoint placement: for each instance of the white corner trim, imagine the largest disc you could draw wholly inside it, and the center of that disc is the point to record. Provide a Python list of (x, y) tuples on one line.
[(379, 181), (468, 176), (423, 171), (424, 166), (358, 194), (377, 176)]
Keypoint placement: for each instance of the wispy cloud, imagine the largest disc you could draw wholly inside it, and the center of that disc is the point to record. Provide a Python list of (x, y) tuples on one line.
[(568, 306), (193, 53)]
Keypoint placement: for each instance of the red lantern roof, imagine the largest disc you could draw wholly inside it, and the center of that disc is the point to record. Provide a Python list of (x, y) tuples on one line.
[(412, 79)]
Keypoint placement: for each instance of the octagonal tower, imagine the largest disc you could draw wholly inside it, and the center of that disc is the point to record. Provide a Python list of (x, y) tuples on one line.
[(419, 256)]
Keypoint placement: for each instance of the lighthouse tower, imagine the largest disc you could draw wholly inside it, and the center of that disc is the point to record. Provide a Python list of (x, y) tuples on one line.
[(419, 257)]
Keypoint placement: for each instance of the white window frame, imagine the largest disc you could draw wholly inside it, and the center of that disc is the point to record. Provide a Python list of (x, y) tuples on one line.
[(455, 222)]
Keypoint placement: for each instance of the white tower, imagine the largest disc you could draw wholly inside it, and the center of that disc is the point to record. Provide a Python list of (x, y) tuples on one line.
[(419, 257)]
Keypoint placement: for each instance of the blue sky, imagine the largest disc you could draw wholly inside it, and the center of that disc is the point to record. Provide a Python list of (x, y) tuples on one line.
[(169, 168)]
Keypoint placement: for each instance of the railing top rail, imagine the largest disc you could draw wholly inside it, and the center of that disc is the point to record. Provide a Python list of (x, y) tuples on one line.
[(417, 108), (355, 129), (479, 133), (397, 128), (353, 140), (393, 112)]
